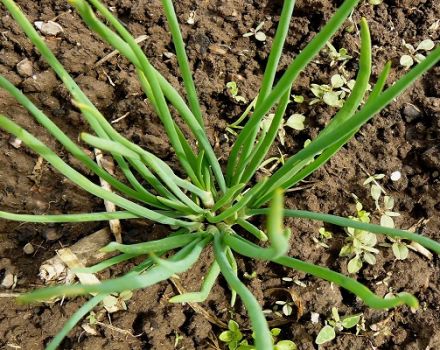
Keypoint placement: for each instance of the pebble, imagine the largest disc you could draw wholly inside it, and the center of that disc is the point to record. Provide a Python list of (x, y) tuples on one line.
[(28, 249), (52, 234), (314, 317), (395, 175), (14, 142), (49, 27), (9, 281), (24, 68), (411, 112)]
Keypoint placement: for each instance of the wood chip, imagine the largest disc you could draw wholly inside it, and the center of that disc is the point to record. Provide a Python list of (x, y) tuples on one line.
[(87, 251), (115, 224)]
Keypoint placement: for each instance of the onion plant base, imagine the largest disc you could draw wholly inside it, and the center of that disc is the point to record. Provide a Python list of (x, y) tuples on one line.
[(206, 206)]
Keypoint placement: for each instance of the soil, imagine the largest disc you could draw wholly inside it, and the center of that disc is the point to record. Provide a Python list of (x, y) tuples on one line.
[(403, 137)]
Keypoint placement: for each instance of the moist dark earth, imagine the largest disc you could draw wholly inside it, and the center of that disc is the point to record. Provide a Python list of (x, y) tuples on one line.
[(404, 137)]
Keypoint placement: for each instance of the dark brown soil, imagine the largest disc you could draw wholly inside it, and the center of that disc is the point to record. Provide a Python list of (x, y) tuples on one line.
[(401, 138)]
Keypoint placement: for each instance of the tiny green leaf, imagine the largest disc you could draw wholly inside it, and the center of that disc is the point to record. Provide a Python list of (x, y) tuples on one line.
[(386, 221), (275, 332), (354, 265), (350, 321), (226, 336), (369, 258), (326, 334), (400, 250), (260, 36), (406, 61), (233, 326), (285, 345), (335, 314), (331, 98), (296, 121), (426, 45), (375, 192), (337, 81)]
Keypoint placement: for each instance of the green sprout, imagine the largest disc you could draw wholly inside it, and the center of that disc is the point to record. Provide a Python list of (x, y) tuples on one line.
[(335, 323), (233, 90), (205, 206), (286, 307), (337, 56), (324, 235), (233, 337), (359, 243), (414, 54), (398, 246), (298, 99), (295, 122), (334, 94), (256, 32)]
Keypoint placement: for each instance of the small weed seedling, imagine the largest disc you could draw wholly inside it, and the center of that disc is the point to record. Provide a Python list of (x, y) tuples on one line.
[(269, 165), (234, 339), (210, 204), (415, 54), (334, 94), (259, 35), (297, 99), (295, 122), (340, 56), (233, 336), (233, 90), (359, 243), (324, 235), (336, 324), (399, 247)]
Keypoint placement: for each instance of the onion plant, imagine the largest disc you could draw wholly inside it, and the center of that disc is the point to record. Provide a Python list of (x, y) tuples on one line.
[(206, 206)]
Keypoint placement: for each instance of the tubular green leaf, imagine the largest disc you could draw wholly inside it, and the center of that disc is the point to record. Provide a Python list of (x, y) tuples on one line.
[(343, 222), (171, 94), (252, 229), (186, 257), (263, 337), (269, 75), (74, 319), (263, 146), (182, 59), (228, 196), (105, 216), (167, 243), (251, 250), (207, 284)]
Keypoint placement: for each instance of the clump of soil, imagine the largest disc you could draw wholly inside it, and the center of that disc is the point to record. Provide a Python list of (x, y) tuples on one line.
[(403, 137)]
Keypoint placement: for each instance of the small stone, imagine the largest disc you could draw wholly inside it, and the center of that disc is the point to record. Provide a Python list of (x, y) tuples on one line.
[(411, 112), (168, 54), (28, 249), (395, 175), (314, 317), (14, 142), (52, 234), (24, 68), (49, 27), (9, 281)]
